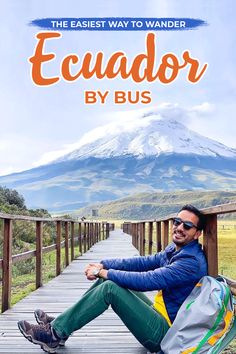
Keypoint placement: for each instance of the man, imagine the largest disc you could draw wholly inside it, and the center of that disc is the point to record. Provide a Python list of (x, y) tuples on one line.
[(173, 272)]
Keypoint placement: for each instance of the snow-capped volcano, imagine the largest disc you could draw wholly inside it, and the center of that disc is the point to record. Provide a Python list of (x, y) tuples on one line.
[(141, 152), (149, 134)]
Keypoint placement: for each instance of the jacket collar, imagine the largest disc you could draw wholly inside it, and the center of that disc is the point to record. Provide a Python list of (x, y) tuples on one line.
[(171, 250)]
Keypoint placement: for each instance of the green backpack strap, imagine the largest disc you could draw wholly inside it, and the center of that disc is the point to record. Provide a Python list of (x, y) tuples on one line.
[(217, 321), (231, 335)]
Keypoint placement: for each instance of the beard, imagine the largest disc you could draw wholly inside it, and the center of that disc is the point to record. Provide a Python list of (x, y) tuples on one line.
[(178, 238)]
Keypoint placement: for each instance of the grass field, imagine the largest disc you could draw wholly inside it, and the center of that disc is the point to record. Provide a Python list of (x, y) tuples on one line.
[(227, 247), (227, 258)]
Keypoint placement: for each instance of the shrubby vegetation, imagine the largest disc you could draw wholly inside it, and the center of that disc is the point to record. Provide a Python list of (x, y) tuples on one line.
[(11, 202), (24, 239)]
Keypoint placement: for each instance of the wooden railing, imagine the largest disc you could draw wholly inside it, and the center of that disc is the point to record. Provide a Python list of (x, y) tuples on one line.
[(142, 234), (88, 234)]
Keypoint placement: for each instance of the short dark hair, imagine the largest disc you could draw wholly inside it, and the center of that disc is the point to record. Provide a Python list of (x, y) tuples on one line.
[(201, 217)]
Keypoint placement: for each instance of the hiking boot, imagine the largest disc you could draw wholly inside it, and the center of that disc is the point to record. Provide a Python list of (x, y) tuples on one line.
[(42, 318), (42, 335)]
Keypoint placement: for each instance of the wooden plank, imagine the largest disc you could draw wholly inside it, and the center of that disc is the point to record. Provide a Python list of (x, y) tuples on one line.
[(34, 218), (23, 256), (105, 334), (220, 209)]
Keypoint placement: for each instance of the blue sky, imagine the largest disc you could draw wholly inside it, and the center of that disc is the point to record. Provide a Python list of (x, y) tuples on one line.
[(36, 121)]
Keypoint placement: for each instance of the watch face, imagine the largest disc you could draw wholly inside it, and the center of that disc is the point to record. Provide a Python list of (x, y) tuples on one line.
[(96, 272)]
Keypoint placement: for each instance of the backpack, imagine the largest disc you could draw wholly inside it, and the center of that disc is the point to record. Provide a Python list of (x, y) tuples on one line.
[(203, 319)]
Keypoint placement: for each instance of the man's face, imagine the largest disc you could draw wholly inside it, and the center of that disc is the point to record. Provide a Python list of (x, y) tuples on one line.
[(180, 235)]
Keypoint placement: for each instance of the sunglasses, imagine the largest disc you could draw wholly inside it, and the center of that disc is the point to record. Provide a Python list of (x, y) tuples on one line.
[(186, 224)]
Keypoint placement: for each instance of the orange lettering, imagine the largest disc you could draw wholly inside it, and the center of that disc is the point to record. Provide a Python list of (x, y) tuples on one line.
[(38, 58), (194, 65), (141, 68), (169, 61)]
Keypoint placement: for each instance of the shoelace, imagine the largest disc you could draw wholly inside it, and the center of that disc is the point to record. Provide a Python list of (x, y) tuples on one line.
[(41, 326)]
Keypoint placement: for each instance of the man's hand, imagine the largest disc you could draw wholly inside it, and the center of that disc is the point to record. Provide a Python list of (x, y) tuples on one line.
[(91, 268)]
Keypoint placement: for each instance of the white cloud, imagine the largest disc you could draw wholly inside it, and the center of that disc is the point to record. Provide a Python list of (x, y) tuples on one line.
[(53, 155), (203, 108)]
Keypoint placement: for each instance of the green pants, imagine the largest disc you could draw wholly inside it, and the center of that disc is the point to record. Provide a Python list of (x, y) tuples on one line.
[(134, 309)]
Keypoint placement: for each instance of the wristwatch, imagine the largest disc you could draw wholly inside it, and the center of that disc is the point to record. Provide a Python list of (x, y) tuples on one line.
[(96, 272)]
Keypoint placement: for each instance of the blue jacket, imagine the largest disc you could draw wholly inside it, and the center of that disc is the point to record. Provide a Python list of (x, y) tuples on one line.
[(174, 272)]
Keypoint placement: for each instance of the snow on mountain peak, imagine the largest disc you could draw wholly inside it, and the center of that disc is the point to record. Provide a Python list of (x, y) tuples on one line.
[(146, 134)]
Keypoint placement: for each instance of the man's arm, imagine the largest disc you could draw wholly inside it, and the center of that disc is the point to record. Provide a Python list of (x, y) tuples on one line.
[(180, 272), (135, 264)]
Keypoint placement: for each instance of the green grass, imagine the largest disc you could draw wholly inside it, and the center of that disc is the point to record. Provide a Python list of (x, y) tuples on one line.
[(227, 248), (22, 285), (227, 258)]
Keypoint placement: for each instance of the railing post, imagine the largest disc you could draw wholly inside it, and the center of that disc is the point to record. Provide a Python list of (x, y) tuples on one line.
[(93, 233), (67, 261), (88, 235), (80, 238), (39, 254), (99, 231), (107, 230), (136, 235), (85, 237), (58, 248), (7, 265), (150, 242), (133, 234), (142, 238), (210, 244), (158, 236), (96, 232), (165, 233), (72, 240)]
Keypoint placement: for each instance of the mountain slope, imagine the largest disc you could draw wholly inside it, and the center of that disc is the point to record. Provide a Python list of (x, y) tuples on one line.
[(150, 152), (155, 205), (68, 185)]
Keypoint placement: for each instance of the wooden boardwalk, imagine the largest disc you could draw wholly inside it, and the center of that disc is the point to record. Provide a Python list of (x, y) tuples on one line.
[(106, 334)]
